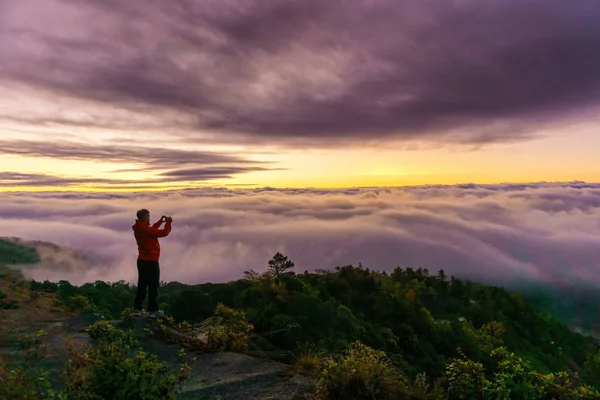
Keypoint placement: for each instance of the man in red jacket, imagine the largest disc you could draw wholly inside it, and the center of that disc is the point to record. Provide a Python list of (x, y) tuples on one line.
[(148, 267)]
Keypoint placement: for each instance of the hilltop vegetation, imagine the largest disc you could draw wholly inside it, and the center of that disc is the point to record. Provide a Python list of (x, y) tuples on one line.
[(577, 306), (439, 333), (14, 253)]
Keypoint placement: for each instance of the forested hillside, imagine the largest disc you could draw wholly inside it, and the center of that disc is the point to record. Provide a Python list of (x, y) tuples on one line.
[(419, 319), (14, 253), (577, 306)]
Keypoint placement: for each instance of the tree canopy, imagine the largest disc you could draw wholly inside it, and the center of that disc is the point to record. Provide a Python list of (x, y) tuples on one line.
[(420, 320)]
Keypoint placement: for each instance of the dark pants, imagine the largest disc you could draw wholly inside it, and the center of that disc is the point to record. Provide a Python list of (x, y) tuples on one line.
[(148, 277)]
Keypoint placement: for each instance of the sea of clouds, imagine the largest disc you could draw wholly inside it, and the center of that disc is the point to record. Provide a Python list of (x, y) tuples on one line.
[(493, 233)]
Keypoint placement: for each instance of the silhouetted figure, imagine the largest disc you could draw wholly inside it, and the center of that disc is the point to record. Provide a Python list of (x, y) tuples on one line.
[(148, 267)]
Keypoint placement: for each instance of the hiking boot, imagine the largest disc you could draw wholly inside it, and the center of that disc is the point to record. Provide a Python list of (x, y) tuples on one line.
[(157, 313)]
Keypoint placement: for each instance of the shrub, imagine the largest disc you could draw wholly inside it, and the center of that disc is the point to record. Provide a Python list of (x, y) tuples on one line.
[(307, 360), (565, 385), (184, 367), (112, 369), (360, 373), (7, 304), (515, 378), (32, 344), (106, 332), (592, 368), (78, 303), (24, 384), (185, 327), (466, 379), (230, 330), (422, 389), (491, 335)]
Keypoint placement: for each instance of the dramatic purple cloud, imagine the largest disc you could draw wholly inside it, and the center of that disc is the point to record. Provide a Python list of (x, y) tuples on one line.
[(153, 158), (309, 71), (176, 165), (17, 179), (494, 233), (197, 175)]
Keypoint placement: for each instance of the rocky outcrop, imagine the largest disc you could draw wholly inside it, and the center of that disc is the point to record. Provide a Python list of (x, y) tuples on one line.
[(218, 375), (231, 376)]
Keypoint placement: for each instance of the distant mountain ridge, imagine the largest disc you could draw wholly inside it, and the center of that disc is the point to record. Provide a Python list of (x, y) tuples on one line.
[(577, 306), (14, 252), (37, 254)]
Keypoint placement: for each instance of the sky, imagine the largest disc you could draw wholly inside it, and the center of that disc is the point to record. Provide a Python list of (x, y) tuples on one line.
[(152, 95)]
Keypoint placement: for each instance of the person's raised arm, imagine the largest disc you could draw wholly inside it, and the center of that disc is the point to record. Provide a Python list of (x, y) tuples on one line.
[(154, 231), (166, 230), (159, 222)]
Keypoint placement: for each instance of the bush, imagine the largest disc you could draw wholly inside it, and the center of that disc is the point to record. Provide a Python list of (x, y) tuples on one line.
[(564, 385), (515, 378), (466, 379), (78, 303), (230, 330), (361, 373), (112, 369), (104, 331), (33, 345), (592, 367), (24, 384), (7, 304), (422, 389), (308, 360)]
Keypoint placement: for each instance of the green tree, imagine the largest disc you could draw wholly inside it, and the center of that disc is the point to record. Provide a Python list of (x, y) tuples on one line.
[(515, 379), (279, 264), (466, 378)]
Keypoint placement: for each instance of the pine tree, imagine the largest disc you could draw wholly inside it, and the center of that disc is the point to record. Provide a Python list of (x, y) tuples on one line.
[(279, 264)]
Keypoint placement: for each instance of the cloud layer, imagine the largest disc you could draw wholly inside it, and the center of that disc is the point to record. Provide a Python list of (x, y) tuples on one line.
[(308, 71), (169, 165), (499, 233)]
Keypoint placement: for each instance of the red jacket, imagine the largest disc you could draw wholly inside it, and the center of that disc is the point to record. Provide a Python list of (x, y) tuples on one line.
[(147, 236)]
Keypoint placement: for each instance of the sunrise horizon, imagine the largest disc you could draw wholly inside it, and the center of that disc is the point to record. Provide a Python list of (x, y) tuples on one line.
[(242, 187), (110, 96)]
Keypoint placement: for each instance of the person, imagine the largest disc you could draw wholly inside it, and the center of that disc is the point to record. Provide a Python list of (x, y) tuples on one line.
[(148, 266)]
